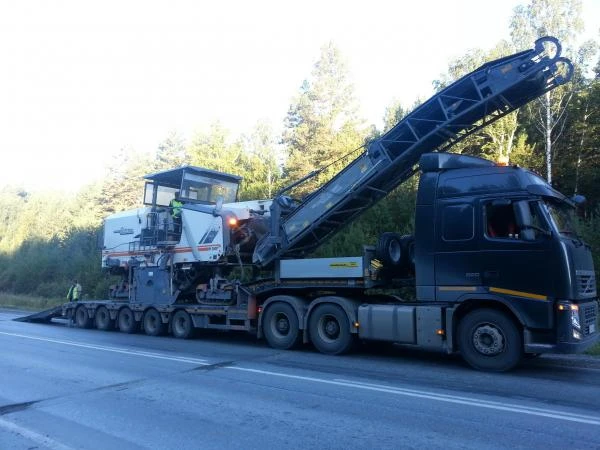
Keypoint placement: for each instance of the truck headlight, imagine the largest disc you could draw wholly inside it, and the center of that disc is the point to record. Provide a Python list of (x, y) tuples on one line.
[(575, 317)]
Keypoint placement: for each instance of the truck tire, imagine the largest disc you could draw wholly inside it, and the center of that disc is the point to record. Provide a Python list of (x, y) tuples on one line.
[(281, 327), (389, 249), (103, 320), (330, 330), (182, 326), (153, 324), (127, 322), (490, 340), (82, 318)]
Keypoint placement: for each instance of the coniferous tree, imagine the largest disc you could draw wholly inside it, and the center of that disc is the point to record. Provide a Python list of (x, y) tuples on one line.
[(171, 152), (322, 124)]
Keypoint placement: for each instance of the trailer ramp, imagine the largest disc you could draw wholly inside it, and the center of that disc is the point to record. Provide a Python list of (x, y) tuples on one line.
[(42, 316)]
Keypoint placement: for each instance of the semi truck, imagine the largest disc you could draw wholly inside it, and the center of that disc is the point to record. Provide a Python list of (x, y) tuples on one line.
[(498, 270)]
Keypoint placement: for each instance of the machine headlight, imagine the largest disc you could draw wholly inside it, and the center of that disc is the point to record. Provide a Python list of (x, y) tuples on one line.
[(576, 334)]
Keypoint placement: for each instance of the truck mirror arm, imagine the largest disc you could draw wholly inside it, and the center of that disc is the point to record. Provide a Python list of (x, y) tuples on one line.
[(536, 228)]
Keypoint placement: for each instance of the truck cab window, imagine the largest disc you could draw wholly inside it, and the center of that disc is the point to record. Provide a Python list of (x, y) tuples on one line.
[(562, 218), (501, 222)]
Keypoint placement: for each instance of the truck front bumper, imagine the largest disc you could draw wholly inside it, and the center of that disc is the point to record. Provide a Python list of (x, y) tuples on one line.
[(577, 330)]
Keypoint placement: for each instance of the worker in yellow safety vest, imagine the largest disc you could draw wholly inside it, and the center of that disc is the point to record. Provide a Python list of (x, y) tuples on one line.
[(175, 204), (74, 292)]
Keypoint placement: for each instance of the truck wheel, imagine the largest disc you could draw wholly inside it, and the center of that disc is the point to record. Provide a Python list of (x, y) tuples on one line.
[(182, 325), (103, 320), (126, 320), (490, 340), (389, 249), (280, 326), (82, 318), (330, 330), (153, 324)]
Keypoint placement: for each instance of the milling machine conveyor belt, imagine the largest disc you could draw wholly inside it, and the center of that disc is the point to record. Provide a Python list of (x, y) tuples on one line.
[(474, 101)]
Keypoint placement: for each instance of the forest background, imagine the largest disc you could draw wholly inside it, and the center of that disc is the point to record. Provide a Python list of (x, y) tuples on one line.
[(49, 238)]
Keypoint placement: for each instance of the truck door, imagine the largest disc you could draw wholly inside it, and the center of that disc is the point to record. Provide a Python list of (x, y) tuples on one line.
[(456, 248), (510, 264)]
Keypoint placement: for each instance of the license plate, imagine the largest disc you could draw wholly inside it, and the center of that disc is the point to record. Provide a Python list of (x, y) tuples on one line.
[(592, 328)]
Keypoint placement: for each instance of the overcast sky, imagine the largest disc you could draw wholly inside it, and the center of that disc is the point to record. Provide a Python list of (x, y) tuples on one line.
[(82, 79)]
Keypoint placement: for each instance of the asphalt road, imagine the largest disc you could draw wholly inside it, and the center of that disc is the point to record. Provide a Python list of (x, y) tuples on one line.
[(64, 388)]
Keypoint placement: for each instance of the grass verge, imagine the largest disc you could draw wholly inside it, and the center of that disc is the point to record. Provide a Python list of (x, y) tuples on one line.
[(594, 351), (28, 302)]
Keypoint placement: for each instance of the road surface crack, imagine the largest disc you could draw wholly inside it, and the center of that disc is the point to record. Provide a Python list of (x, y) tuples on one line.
[(210, 367), (122, 386), (15, 407)]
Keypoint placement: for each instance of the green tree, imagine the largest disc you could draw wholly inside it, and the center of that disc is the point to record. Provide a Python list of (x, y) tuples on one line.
[(394, 113), (171, 152), (497, 139), (322, 124), (561, 19), (214, 149), (262, 171), (123, 187)]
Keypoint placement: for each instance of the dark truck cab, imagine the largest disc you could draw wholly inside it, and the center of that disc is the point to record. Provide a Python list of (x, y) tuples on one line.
[(501, 237)]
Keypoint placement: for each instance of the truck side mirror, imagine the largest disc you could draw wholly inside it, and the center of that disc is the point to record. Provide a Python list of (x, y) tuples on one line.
[(524, 220)]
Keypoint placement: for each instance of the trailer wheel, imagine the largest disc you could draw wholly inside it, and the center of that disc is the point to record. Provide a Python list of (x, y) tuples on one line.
[(490, 340), (103, 320), (82, 318), (126, 321), (281, 327), (153, 324), (330, 330), (182, 325)]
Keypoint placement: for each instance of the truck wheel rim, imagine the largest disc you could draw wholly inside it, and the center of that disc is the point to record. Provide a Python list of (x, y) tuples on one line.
[(395, 251), (152, 322), (281, 324), (180, 325), (329, 328), (488, 340)]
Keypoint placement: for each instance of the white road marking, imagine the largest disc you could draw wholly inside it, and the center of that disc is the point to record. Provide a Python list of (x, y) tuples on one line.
[(501, 406), (126, 351), (40, 439), (556, 414)]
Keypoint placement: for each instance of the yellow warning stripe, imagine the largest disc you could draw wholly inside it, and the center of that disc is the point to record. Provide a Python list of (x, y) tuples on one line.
[(518, 293)]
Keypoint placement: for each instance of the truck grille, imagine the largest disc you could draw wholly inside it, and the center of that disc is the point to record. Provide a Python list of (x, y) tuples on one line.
[(588, 314), (586, 283)]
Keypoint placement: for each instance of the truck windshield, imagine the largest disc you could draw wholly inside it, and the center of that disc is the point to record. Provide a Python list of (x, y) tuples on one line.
[(561, 216)]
